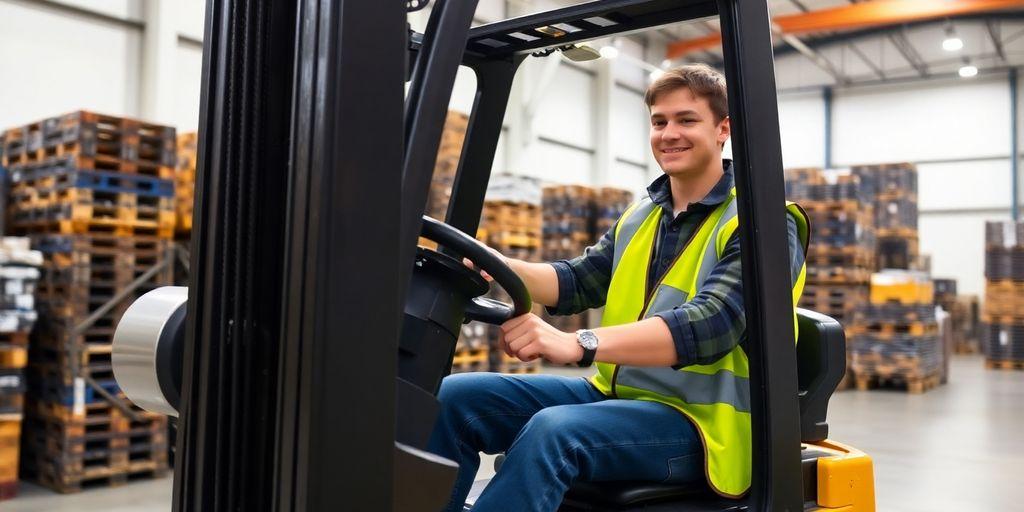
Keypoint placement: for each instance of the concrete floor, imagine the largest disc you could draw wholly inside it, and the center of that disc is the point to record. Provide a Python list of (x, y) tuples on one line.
[(955, 448)]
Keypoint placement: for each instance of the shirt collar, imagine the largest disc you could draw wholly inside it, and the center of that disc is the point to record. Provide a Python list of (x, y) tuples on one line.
[(660, 191)]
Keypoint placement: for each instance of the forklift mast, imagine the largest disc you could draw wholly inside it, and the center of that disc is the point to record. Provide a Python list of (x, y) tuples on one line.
[(313, 172)]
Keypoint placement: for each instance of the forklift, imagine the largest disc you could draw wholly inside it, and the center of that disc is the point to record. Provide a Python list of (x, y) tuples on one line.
[(303, 359)]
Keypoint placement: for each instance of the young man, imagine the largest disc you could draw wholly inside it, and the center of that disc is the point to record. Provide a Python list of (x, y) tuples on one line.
[(670, 401)]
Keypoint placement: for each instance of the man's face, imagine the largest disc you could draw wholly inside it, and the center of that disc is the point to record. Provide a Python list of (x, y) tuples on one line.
[(685, 138)]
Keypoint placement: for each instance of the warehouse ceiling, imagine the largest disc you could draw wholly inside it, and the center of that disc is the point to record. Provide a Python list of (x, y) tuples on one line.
[(992, 33)]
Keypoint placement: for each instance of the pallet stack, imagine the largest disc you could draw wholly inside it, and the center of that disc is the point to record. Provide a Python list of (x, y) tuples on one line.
[(185, 183), (511, 223), (568, 230), (609, 205), (96, 196), (576, 217), (896, 337), (18, 274), (963, 313), (1002, 333), (895, 200), (840, 257), (448, 155)]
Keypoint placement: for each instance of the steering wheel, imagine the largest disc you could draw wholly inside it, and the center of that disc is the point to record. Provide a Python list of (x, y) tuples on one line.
[(482, 309)]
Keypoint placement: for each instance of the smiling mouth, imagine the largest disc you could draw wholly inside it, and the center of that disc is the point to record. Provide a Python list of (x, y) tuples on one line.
[(674, 150)]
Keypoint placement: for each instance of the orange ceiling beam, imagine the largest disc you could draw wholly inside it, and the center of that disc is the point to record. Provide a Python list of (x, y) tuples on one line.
[(859, 15)]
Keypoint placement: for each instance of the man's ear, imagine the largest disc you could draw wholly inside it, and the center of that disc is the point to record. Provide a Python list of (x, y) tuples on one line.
[(724, 130)]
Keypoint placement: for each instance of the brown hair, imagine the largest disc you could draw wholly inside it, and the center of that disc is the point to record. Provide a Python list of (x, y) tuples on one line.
[(703, 80)]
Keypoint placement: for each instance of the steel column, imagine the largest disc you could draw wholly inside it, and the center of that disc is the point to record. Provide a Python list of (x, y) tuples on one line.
[(749, 69), (826, 95)]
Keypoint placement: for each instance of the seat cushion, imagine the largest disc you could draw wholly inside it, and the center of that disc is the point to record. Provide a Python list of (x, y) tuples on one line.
[(626, 493)]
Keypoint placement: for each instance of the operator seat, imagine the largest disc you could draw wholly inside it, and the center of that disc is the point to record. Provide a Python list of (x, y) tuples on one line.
[(821, 364)]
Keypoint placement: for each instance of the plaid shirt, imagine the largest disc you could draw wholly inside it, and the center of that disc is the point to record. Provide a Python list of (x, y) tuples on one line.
[(709, 325)]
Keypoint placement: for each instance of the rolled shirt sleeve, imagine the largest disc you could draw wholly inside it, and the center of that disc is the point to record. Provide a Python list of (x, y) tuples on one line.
[(583, 281)]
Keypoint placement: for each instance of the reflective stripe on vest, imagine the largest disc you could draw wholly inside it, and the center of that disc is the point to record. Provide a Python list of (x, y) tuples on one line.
[(714, 397)]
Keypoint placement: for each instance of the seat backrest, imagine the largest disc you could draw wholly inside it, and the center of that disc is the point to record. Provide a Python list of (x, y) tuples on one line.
[(821, 365)]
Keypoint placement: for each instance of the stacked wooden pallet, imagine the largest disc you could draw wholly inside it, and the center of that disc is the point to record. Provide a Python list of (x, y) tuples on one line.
[(1002, 333), (963, 312), (96, 195), (895, 190), (840, 257), (514, 230), (568, 230), (185, 183), (609, 204), (575, 217), (448, 154), (18, 276), (896, 337)]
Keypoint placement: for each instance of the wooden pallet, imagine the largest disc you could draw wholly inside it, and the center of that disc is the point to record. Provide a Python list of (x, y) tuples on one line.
[(851, 275), (13, 356), (14, 338), (12, 398), (96, 227), (887, 330), (514, 240), (1004, 364), (471, 356), (1004, 298), (522, 369), (94, 136), (85, 217), (66, 482), (913, 385), (840, 205), (94, 358), (966, 347), (850, 256)]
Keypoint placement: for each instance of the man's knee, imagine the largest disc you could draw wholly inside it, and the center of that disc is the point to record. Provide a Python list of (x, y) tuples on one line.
[(554, 427), (461, 388)]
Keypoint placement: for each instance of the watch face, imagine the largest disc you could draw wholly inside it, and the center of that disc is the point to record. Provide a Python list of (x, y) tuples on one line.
[(588, 339)]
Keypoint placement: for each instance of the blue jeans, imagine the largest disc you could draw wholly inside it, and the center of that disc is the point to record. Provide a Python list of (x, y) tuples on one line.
[(555, 430)]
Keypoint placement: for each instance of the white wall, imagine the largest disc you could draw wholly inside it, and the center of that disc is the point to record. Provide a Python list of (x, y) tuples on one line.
[(802, 129), (68, 60), (188, 77), (936, 121), (56, 62), (956, 131)]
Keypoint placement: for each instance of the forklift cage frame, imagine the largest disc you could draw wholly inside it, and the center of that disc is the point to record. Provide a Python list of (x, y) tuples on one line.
[(311, 180)]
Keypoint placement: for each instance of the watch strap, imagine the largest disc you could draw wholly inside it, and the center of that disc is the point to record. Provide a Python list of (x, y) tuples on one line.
[(588, 357)]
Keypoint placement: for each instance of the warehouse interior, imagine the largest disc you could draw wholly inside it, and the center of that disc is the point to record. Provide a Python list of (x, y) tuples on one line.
[(899, 123)]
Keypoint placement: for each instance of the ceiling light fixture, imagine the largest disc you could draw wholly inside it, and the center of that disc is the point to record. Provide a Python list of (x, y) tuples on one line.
[(952, 42), (967, 71)]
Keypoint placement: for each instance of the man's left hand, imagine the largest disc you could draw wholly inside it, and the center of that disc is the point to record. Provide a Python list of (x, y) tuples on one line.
[(527, 337)]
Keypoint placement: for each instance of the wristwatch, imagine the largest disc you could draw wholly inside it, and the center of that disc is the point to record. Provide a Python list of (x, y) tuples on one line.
[(588, 340)]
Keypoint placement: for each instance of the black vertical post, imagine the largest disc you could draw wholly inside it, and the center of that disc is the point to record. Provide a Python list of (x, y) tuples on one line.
[(340, 334), (767, 285), (288, 389), (225, 458)]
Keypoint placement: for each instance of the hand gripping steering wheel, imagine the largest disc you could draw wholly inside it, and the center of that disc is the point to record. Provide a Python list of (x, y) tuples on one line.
[(482, 309)]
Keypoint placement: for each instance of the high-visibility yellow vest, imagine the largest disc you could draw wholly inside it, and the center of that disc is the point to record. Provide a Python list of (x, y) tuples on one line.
[(714, 397)]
